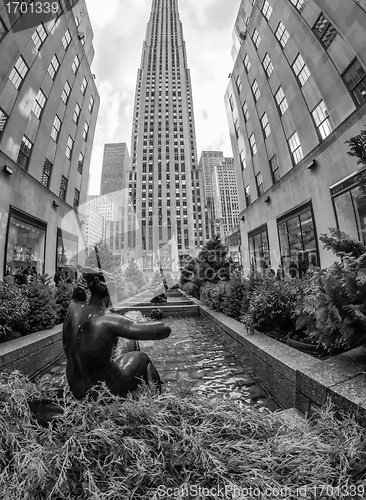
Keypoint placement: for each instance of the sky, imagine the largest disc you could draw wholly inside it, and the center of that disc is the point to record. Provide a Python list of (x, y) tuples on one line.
[(119, 28)]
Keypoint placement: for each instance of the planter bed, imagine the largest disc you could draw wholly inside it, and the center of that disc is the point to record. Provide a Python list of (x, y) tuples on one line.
[(294, 378)]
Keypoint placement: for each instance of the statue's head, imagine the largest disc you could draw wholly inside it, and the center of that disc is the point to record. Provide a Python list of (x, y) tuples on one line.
[(100, 283)]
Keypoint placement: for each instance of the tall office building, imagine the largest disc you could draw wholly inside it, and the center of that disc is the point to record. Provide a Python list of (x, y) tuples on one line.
[(116, 162), (164, 181), (297, 93), (48, 111), (208, 161)]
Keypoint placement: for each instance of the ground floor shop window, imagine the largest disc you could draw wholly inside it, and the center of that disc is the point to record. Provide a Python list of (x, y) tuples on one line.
[(25, 250), (67, 251), (259, 249), (298, 243), (349, 200)]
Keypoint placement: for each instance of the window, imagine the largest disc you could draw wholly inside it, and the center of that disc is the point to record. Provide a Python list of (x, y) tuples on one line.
[(3, 120), (325, 31), (259, 249), (76, 198), (282, 34), (84, 84), (66, 92), (66, 39), (231, 102), (85, 131), (69, 147), (245, 111), (281, 101), (76, 113), (39, 36), (350, 206), (253, 145), (256, 38), (247, 63), (259, 183), (321, 119), (56, 127), (275, 169), (295, 148), (298, 244), (265, 125), (255, 90), (63, 188), (267, 65), (267, 10), (242, 160), (237, 128), (301, 70), (299, 4), (75, 65), (39, 103), (80, 163), (247, 195), (46, 173), (3, 29), (91, 103), (239, 84), (53, 67), (355, 79), (25, 243), (24, 153), (18, 73)]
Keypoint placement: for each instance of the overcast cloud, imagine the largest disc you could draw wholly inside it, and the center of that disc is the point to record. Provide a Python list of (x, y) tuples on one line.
[(119, 31)]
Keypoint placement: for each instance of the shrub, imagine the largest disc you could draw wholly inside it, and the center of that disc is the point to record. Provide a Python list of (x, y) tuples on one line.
[(64, 292), (135, 279), (334, 308), (156, 314), (215, 293), (341, 243), (191, 289), (14, 307), (236, 294), (273, 304), (42, 305), (121, 286)]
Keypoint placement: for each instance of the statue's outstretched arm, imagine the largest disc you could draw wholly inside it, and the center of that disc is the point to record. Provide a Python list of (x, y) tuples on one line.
[(124, 327)]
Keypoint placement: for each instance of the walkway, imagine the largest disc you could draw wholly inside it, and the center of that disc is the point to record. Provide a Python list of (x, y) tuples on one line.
[(196, 354)]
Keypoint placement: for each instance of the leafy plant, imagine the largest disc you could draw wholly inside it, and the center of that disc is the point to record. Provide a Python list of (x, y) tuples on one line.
[(341, 243), (236, 293), (156, 314), (43, 309), (106, 257), (14, 307), (64, 292), (273, 304), (215, 293), (191, 289), (135, 278), (334, 308)]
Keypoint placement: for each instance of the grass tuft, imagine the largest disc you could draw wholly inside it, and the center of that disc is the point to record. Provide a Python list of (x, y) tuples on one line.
[(112, 448)]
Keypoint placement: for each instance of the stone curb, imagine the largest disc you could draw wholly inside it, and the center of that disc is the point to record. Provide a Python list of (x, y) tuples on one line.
[(295, 379)]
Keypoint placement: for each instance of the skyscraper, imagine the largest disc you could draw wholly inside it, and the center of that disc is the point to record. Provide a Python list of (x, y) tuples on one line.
[(164, 181), (115, 164)]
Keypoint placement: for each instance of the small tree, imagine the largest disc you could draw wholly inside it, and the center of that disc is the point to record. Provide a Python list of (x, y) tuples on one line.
[(212, 262), (135, 277), (341, 243), (106, 257)]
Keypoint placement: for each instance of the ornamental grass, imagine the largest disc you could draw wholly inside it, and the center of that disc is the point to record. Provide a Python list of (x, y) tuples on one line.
[(112, 448)]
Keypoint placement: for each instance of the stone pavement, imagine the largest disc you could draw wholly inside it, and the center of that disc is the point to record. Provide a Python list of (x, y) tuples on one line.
[(196, 354)]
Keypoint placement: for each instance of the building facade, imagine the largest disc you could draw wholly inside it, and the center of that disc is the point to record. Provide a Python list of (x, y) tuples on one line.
[(208, 161), (164, 181), (296, 94), (48, 111), (116, 162), (94, 226)]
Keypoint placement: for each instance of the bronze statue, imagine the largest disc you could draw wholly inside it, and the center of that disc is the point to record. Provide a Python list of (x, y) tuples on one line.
[(90, 335)]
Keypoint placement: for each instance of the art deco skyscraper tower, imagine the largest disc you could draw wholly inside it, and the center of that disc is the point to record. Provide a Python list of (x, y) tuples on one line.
[(164, 182)]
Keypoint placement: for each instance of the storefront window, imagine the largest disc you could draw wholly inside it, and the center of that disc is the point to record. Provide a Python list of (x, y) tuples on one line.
[(25, 244), (67, 251), (259, 249), (350, 207), (298, 243)]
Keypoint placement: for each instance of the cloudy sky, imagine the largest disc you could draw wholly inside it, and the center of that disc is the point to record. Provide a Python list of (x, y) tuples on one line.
[(119, 30)]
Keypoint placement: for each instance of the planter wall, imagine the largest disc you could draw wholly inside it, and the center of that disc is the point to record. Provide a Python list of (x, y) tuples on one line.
[(32, 353)]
